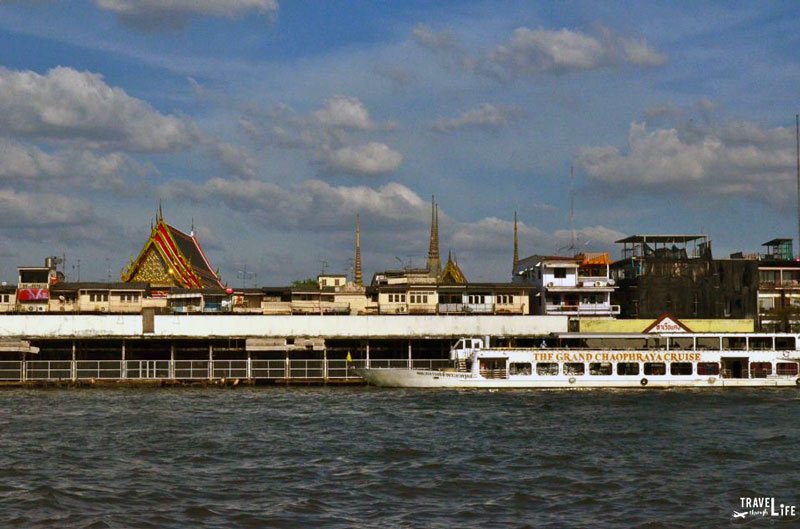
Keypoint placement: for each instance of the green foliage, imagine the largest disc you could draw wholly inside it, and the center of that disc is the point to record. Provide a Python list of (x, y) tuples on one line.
[(309, 282)]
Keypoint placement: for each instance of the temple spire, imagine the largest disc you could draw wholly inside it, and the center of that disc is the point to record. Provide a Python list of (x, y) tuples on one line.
[(434, 262), (160, 213), (516, 243), (358, 277)]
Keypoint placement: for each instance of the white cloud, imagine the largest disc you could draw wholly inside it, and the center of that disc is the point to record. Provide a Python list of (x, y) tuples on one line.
[(20, 209), (486, 116), (155, 14), (740, 158), (345, 112), (74, 106), (27, 164), (425, 36), (536, 51), (370, 159), (313, 204), (237, 160), (494, 234)]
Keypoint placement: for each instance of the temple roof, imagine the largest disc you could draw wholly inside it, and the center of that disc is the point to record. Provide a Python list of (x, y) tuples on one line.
[(452, 274), (183, 257)]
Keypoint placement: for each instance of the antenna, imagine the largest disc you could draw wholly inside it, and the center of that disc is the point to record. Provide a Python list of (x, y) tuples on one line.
[(797, 142), (244, 275), (572, 207)]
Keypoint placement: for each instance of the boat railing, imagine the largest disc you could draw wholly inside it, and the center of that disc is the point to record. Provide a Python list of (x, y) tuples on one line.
[(203, 369)]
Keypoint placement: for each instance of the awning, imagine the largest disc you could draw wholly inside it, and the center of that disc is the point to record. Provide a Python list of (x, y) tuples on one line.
[(185, 296)]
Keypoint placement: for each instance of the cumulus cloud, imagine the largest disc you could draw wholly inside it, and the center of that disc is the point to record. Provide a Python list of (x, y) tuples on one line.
[(235, 159), (371, 159), (486, 116), (173, 14), (530, 52), (425, 36), (345, 112), (536, 51), (74, 106), (313, 204), (738, 158), (494, 234), (22, 163), (590, 238), (20, 209)]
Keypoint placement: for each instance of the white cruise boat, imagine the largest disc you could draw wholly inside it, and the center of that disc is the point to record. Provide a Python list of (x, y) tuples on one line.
[(680, 360)]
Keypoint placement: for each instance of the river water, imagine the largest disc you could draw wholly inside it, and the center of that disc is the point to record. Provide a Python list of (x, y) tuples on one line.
[(367, 457)]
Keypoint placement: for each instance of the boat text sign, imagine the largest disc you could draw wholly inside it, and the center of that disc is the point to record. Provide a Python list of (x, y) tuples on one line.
[(606, 356)]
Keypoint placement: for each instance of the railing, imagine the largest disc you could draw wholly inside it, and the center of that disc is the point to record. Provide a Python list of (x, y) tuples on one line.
[(466, 308), (312, 369), (584, 309)]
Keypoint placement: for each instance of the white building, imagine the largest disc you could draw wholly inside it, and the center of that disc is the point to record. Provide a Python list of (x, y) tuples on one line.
[(568, 286)]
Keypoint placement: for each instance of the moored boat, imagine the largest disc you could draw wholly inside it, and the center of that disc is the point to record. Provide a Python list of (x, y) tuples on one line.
[(695, 363)]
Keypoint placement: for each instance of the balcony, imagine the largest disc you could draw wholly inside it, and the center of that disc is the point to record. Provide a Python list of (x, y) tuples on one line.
[(466, 308), (582, 310)]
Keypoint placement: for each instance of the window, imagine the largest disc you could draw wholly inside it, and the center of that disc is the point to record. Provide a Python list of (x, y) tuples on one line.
[(129, 297), (655, 368), (546, 368), (760, 369), (560, 273), (574, 368), (600, 368), (4, 298), (336, 282), (680, 368), (476, 299), (397, 298), (505, 299), (628, 368), (787, 368), (708, 368), (98, 297), (519, 368)]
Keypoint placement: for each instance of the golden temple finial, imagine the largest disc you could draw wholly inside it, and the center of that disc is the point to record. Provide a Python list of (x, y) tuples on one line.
[(358, 278), (516, 244), (434, 262), (160, 213)]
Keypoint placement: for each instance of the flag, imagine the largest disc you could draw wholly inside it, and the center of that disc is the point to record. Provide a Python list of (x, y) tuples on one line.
[(349, 358)]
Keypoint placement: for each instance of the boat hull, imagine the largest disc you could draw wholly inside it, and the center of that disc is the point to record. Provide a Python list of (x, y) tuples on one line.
[(420, 378)]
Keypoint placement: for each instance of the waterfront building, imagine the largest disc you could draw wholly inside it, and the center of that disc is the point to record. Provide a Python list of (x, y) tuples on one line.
[(572, 286), (113, 298), (778, 286), (171, 258), (677, 274)]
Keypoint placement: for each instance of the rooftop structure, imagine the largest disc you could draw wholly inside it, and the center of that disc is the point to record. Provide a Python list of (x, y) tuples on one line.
[(172, 258)]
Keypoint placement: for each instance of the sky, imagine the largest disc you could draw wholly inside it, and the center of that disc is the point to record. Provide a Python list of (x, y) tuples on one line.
[(268, 125)]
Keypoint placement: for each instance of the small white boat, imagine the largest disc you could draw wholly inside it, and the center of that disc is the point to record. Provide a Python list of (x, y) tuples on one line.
[(476, 366)]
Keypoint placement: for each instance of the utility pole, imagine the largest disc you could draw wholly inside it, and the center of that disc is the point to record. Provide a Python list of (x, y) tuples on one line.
[(797, 151), (244, 275)]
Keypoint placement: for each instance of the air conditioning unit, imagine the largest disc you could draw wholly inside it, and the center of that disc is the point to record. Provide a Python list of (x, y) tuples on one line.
[(550, 284), (30, 308), (103, 309), (598, 284), (41, 308)]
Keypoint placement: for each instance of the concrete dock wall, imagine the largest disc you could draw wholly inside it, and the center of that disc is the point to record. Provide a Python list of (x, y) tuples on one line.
[(55, 326)]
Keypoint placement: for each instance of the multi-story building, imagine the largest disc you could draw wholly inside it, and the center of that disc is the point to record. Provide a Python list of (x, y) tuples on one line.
[(568, 286), (677, 274)]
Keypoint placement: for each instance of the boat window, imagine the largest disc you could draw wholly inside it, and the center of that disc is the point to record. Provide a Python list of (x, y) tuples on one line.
[(680, 368), (519, 368), (574, 368), (546, 368), (655, 368), (600, 368), (628, 368), (708, 368), (760, 369), (787, 368)]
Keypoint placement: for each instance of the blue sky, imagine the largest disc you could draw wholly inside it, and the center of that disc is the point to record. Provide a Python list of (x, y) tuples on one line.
[(270, 124)]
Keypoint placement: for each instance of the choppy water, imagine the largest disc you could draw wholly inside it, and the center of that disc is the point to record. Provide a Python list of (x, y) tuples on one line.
[(364, 457)]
